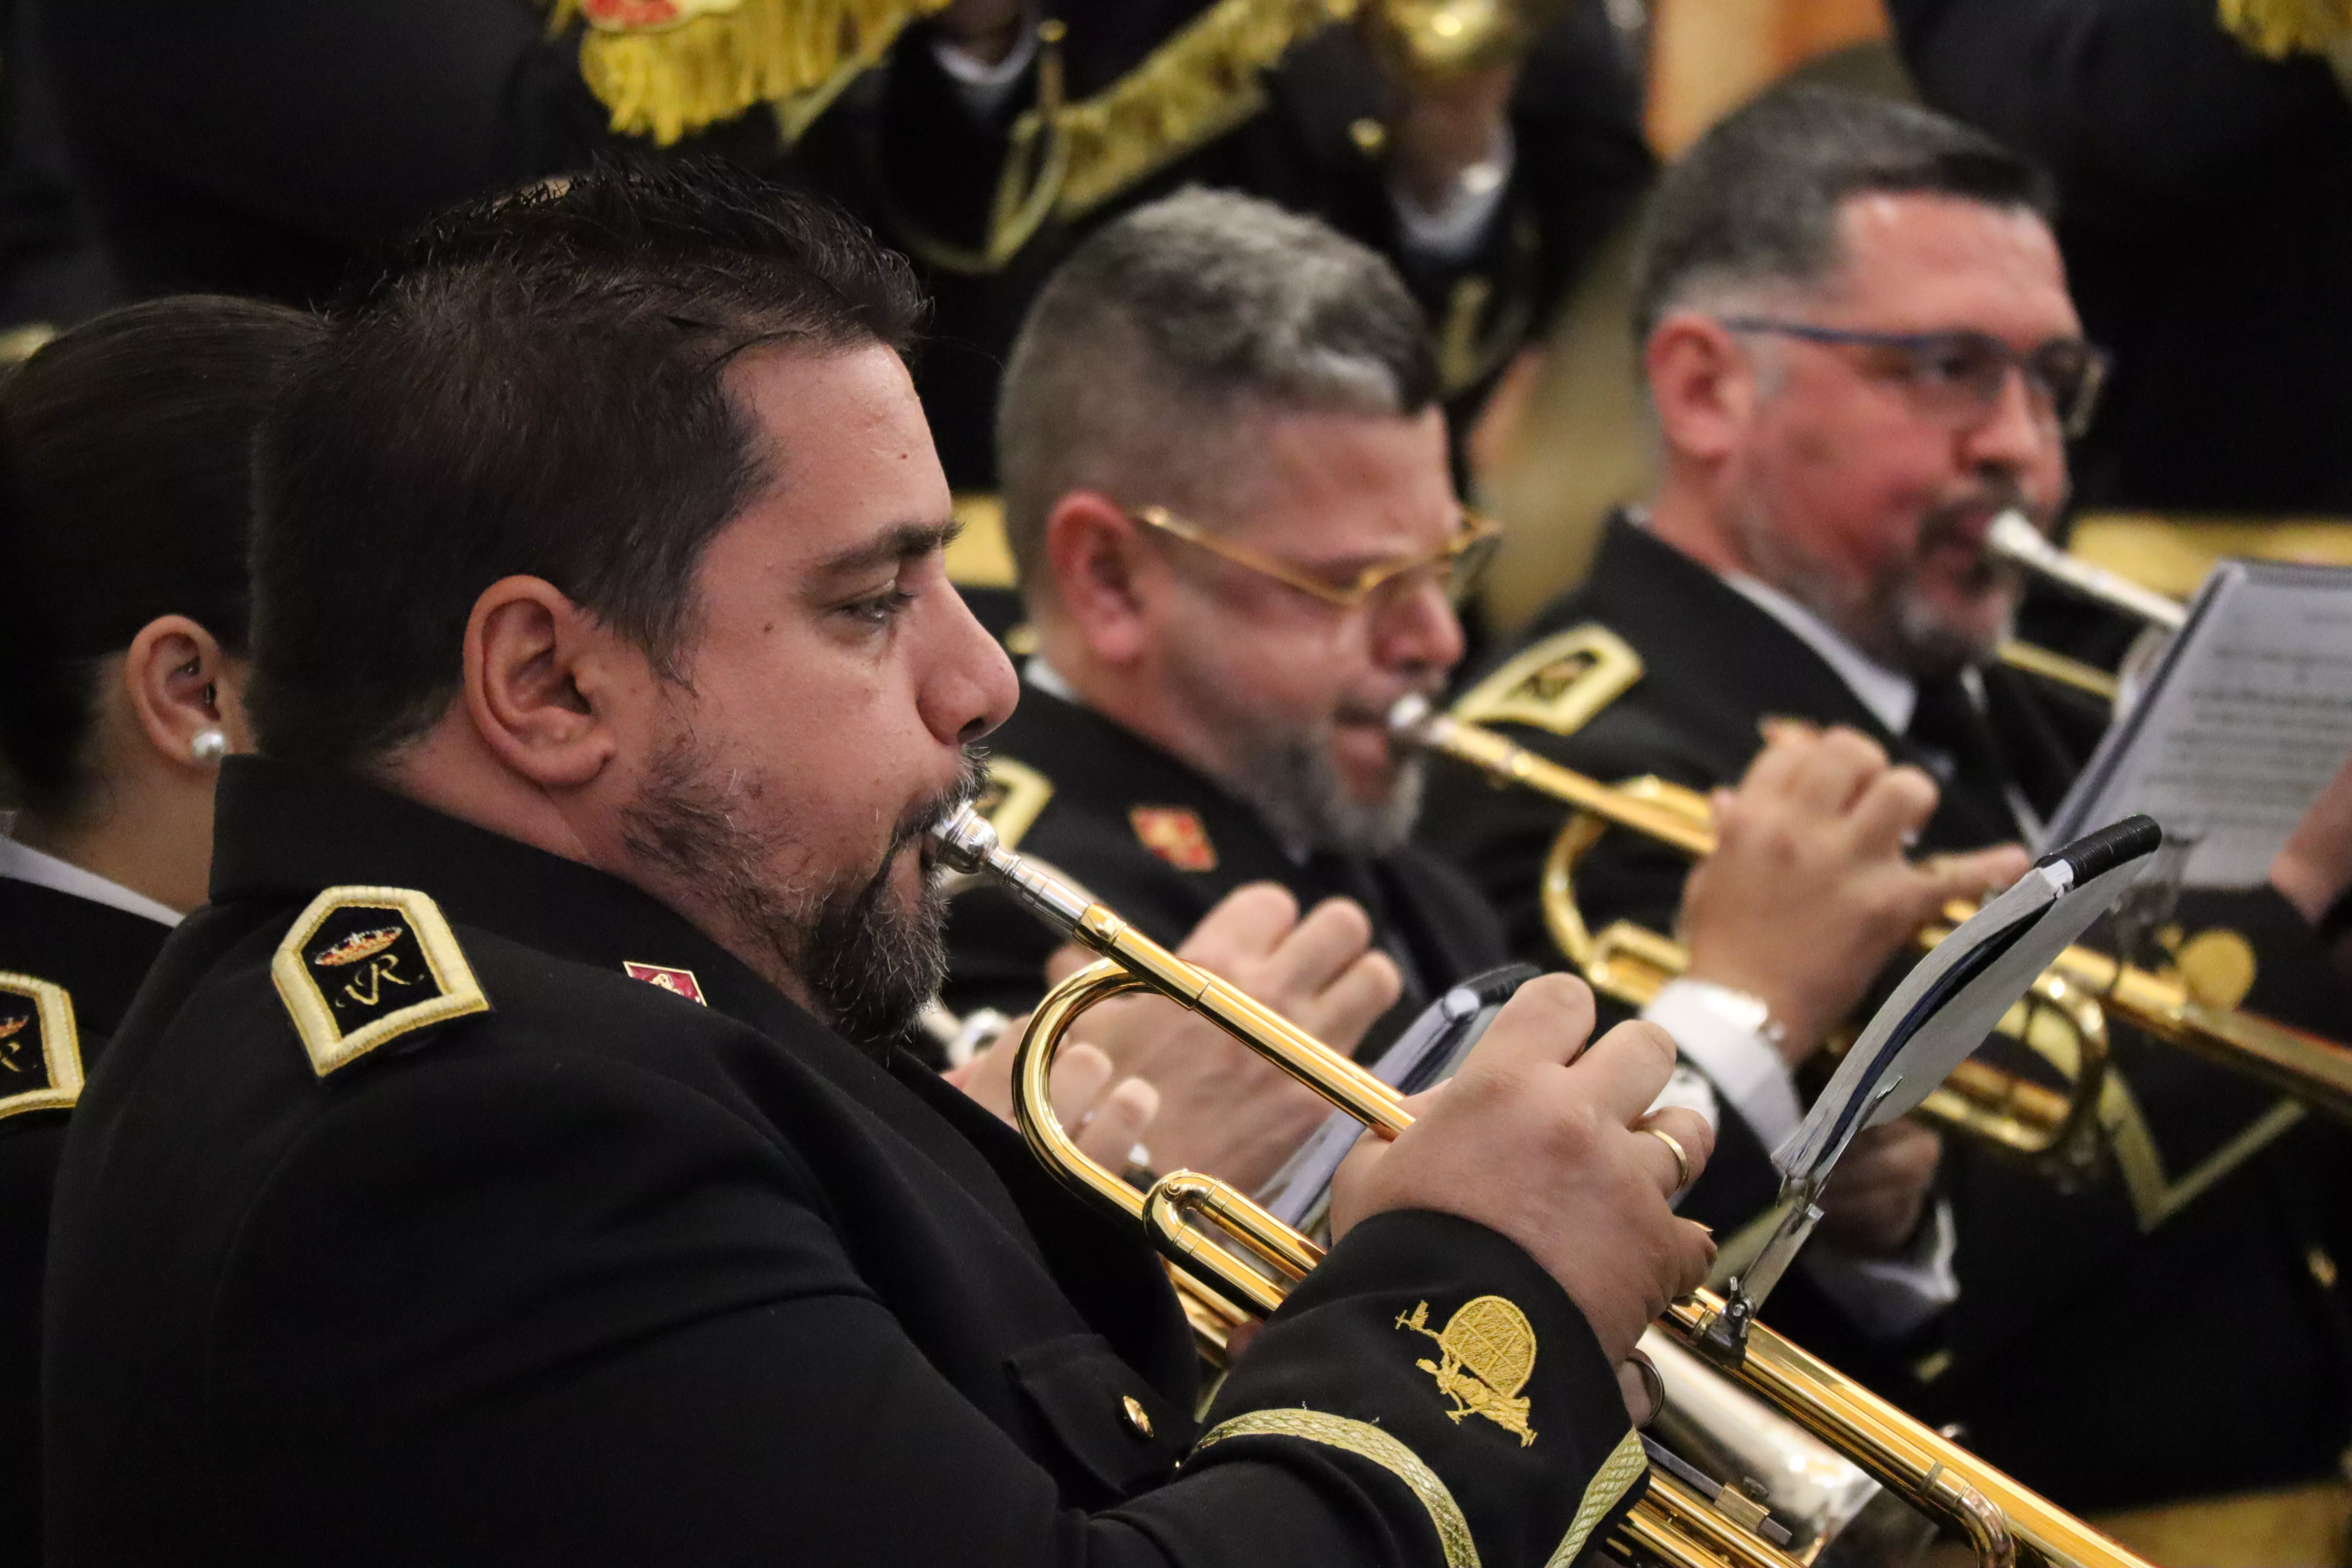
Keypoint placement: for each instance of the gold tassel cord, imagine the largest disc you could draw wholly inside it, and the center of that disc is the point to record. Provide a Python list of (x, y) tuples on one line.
[(2280, 28), (669, 67), (1067, 159), (1192, 89)]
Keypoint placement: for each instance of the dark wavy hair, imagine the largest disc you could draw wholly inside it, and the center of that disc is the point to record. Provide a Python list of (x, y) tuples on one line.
[(532, 383), (125, 450), (1756, 199)]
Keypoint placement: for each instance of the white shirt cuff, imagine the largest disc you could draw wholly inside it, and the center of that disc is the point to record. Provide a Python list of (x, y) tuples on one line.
[(981, 85), (1890, 1297), (1452, 232), (1744, 1067)]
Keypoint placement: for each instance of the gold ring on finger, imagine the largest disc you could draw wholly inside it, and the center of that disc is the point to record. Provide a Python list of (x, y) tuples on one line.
[(1682, 1156), (1654, 1384)]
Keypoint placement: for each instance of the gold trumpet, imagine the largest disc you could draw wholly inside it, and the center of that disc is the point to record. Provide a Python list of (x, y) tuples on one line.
[(2063, 1018), (1674, 1524), (2015, 539)]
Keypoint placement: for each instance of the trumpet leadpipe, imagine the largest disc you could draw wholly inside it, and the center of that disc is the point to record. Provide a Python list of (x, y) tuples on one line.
[(1418, 721), (2015, 539), (965, 842)]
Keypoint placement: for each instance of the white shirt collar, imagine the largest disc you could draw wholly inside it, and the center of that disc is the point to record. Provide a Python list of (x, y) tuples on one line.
[(23, 863), (1889, 694), (1037, 672)]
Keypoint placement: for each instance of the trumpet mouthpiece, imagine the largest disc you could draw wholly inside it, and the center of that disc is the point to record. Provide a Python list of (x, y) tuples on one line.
[(964, 839), (1408, 713)]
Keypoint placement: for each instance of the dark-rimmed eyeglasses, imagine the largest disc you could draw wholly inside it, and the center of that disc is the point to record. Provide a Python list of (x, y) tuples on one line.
[(1958, 376), (1454, 566)]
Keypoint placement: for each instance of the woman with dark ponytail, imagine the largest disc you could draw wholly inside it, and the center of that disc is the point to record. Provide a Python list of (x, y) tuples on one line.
[(123, 456)]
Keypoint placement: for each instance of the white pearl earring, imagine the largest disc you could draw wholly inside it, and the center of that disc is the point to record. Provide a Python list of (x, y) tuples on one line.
[(209, 746)]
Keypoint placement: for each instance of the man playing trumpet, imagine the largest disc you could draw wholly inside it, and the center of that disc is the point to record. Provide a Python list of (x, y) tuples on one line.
[(489, 1173), (1860, 349), (1226, 490)]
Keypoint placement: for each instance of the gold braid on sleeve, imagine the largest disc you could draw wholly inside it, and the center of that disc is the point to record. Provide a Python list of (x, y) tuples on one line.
[(1366, 1441)]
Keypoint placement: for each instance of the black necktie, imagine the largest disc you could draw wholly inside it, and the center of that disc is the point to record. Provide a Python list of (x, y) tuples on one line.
[(1954, 742)]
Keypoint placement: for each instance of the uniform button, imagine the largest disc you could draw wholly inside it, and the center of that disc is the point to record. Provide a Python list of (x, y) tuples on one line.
[(1137, 1417), (2322, 1267)]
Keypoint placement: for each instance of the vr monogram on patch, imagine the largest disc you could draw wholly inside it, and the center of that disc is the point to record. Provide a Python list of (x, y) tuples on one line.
[(40, 1050), (364, 965)]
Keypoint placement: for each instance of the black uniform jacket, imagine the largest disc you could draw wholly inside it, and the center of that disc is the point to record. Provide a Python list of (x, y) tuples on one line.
[(1109, 789), (559, 1265), (2111, 1346), (86, 958), (259, 146), (2205, 211), (902, 150)]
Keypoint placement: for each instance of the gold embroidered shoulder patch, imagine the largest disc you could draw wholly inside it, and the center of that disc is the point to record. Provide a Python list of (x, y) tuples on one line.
[(1557, 684), (40, 1051), (364, 965), (1487, 1351), (1015, 792), (1176, 834)]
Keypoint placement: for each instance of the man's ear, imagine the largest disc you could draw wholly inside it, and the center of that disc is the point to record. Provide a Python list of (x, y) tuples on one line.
[(1701, 383), (1102, 568), (542, 680)]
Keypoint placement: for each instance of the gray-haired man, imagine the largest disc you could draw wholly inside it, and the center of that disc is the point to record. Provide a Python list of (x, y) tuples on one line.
[(1860, 349), (1226, 487)]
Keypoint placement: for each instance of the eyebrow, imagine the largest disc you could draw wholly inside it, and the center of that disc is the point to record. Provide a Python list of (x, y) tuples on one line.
[(901, 542)]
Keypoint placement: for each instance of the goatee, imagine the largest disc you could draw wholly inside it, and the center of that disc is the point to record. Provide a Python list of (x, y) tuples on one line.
[(867, 956)]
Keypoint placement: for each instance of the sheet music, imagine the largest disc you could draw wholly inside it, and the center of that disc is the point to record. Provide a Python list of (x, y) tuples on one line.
[(2247, 717)]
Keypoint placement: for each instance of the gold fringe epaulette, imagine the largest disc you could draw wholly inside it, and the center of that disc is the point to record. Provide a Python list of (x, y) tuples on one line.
[(2281, 27), (1067, 159), (1189, 92), (667, 67)]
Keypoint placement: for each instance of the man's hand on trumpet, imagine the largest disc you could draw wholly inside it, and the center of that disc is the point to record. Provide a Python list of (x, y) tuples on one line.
[(1878, 1194), (1552, 1143), (1108, 1114), (1214, 1106), (1808, 894)]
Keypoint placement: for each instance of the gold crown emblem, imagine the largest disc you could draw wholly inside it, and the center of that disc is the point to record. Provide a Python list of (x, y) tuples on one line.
[(356, 946)]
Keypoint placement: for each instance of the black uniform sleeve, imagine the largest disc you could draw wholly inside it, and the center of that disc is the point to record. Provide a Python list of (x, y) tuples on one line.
[(601, 1314)]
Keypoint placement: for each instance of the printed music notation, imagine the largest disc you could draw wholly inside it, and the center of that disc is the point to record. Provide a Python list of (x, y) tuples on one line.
[(2246, 717)]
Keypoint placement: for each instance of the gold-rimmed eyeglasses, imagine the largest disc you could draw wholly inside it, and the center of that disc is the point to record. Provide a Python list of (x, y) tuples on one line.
[(1454, 566)]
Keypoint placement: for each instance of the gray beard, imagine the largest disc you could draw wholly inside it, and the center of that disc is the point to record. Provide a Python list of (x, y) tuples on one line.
[(868, 959), (1887, 617), (1290, 781)]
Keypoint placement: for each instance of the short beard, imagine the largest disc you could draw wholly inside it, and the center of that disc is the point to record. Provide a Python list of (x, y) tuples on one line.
[(1288, 778), (867, 959), (1887, 616)]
